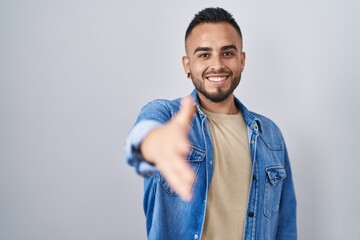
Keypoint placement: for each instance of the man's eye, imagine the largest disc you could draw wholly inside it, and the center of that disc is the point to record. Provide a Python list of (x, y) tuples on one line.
[(227, 54), (204, 55)]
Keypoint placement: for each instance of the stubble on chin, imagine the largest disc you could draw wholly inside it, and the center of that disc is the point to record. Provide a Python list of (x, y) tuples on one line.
[(219, 95)]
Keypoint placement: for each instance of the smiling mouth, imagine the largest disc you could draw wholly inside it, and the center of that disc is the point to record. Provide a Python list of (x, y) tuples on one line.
[(217, 78)]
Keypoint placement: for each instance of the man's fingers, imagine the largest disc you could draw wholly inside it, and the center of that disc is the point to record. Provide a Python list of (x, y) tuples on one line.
[(187, 111), (181, 177)]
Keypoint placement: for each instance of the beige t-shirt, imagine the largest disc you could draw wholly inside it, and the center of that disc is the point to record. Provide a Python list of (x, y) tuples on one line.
[(228, 194)]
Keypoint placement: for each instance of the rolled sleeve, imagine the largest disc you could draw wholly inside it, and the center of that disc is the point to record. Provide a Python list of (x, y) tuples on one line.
[(132, 147)]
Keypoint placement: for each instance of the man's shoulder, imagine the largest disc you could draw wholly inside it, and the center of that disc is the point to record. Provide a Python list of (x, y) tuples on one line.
[(164, 104), (251, 117), (266, 121), (269, 130), (160, 110)]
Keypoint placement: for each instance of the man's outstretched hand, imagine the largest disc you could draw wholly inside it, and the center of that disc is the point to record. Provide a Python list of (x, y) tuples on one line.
[(167, 147)]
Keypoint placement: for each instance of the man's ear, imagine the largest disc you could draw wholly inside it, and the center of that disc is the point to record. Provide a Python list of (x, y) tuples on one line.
[(186, 65), (242, 64)]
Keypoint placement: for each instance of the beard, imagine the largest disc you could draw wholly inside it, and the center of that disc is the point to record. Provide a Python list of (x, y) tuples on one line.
[(220, 94)]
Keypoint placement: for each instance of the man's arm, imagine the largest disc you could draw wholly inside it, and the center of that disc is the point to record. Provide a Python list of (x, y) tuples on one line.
[(286, 229), (153, 145)]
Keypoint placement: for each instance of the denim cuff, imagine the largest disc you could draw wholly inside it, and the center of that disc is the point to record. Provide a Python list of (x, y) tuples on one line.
[(132, 147)]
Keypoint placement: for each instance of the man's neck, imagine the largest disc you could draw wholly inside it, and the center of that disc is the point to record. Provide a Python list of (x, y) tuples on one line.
[(226, 107)]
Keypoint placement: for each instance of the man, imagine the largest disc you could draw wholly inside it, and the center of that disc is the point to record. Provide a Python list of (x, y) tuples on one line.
[(216, 170)]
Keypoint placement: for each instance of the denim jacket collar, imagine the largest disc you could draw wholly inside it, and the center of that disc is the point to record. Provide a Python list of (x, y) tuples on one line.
[(251, 120)]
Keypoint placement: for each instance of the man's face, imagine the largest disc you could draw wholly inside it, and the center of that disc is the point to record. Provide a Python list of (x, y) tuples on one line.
[(214, 59)]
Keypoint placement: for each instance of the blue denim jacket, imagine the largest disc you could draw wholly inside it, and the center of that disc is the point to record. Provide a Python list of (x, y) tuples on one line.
[(271, 210)]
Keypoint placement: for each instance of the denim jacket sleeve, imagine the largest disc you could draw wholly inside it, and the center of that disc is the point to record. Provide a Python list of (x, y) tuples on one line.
[(152, 115), (286, 228)]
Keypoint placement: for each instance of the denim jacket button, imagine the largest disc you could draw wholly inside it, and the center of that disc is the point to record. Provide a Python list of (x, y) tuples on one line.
[(250, 214), (196, 236)]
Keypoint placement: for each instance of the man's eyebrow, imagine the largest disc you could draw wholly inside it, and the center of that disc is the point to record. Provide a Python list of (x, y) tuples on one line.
[(228, 47), (202, 49), (207, 49)]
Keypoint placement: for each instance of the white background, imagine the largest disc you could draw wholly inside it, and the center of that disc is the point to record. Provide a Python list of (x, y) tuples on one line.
[(74, 75)]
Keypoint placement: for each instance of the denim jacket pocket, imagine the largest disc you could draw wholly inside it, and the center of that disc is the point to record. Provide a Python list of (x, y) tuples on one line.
[(273, 188), (194, 158)]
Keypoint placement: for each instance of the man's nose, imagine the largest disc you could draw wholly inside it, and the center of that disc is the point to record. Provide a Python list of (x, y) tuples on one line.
[(217, 62)]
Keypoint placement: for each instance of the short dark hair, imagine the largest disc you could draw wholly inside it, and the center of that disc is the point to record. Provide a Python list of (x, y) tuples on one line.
[(212, 15)]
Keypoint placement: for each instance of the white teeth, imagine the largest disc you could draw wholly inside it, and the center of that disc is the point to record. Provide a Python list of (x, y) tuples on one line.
[(216, 79)]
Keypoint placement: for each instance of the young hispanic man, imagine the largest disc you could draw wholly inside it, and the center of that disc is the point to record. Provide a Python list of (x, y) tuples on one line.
[(212, 168)]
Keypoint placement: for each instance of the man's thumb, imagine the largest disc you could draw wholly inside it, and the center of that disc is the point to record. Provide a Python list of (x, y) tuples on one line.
[(187, 111)]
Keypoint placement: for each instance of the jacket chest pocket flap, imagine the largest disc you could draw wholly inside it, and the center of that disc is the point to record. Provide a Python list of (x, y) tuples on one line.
[(273, 187)]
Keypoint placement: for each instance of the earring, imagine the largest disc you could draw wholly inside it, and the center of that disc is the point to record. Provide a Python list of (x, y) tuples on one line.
[(188, 75)]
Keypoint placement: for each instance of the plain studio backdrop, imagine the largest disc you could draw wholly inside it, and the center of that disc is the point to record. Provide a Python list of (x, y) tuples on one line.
[(74, 75)]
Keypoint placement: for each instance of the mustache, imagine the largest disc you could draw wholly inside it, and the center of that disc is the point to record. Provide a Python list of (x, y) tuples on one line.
[(220, 71)]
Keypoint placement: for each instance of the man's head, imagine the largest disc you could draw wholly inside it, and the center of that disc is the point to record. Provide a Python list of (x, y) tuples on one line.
[(212, 15), (214, 59)]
